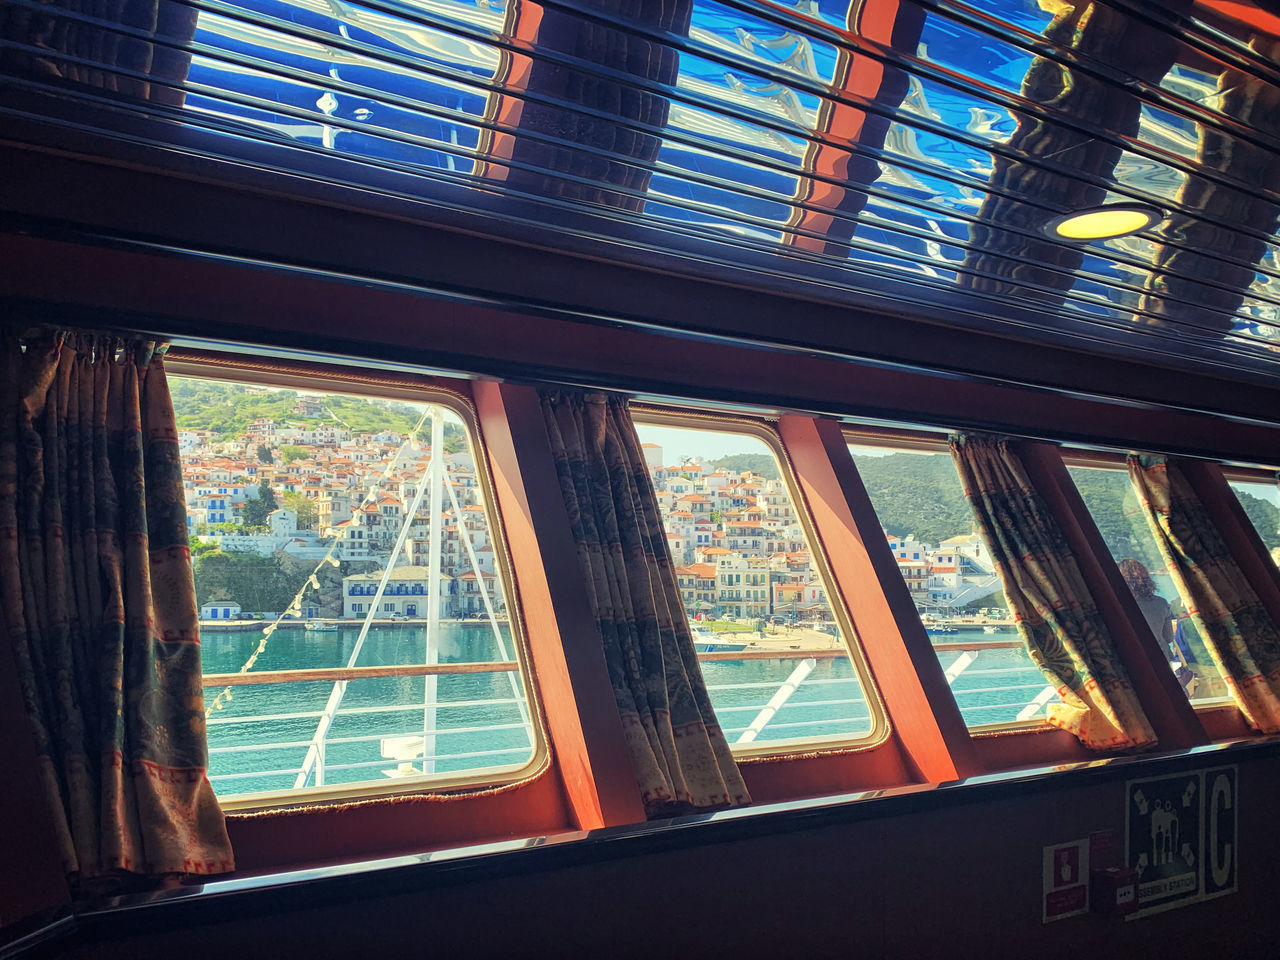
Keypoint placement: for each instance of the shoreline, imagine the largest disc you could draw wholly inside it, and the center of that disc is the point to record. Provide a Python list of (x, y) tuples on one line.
[(242, 626)]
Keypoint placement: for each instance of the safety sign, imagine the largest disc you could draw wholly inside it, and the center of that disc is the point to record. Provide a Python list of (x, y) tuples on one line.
[(1180, 836), (1066, 880)]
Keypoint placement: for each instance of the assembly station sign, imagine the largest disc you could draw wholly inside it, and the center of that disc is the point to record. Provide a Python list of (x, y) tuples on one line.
[(1180, 837)]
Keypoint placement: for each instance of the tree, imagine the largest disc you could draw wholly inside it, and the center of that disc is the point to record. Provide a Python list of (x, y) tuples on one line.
[(268, 497), (1264, 517), (291, 452), (200, 547), (1119, 517), (257, 509), (264, 454), (304, 509), (916, 494), (255, 582)]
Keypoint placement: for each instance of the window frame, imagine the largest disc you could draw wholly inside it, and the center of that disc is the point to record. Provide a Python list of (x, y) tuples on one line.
[(1095, 459), (765, 430), (906, 440), (314, 375)]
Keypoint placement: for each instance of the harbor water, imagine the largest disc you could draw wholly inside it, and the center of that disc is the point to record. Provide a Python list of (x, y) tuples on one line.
[(259, 739)]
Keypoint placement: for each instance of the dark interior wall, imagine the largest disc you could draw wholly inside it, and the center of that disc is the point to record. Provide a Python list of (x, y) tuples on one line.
[(956, 875)]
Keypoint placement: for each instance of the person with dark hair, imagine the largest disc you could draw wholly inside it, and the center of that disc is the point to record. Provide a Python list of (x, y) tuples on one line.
[(1155, 609)]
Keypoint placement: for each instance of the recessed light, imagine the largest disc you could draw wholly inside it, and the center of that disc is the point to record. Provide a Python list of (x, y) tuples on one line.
[(1104, 223)]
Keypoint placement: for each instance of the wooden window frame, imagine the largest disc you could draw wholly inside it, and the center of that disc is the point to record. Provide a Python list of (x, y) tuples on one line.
[(908, 440), (766, 431), (273, 832)]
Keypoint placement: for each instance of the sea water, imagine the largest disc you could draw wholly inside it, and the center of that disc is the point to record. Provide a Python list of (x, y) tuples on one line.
[(259, 740)]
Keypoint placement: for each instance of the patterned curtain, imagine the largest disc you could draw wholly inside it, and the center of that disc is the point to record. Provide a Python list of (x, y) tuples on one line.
[(99, 608), (681, 758), (1056, 616), (1236, 628)]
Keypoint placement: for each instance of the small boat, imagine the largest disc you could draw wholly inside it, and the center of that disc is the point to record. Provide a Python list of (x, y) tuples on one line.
[(704, 641), (718, 646), (941, 629), (990, 629), (321, 626)]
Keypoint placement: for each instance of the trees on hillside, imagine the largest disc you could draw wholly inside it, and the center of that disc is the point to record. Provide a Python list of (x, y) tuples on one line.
[(304, 509), (916, 494), (256, 583), (257, 509), (229, 408), (1264, 516), (1115, 509), (762, 464)]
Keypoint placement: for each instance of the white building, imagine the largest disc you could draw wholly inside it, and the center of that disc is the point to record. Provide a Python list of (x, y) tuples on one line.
[(220, 610), (283, 522), (405, 595)]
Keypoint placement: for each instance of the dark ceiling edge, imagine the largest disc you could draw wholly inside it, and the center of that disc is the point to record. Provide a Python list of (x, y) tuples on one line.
[(236, 220), (210, 303)]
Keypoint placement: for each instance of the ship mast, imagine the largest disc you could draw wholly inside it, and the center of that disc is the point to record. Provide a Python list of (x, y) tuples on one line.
[(436, 477)]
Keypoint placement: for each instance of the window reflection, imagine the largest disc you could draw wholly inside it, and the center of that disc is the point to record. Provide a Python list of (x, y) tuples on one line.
[(1115, 509)]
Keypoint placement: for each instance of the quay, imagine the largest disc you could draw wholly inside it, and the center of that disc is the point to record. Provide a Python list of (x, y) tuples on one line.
[(244, 626), (966, 623)]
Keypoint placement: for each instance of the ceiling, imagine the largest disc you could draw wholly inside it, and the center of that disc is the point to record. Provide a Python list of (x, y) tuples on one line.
[(889, 151)]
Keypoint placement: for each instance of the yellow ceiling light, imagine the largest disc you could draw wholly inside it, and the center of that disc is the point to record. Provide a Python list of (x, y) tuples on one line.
[(1104, 223)]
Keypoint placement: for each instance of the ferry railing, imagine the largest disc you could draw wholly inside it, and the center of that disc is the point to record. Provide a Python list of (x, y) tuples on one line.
[(317, 759), (1035, 693), (1019, 692)]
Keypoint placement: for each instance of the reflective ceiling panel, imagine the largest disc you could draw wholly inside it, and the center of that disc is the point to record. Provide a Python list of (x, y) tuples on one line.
[(913, 151)]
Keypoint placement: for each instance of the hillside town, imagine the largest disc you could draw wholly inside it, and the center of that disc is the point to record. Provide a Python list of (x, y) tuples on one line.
[(741, 552), (341, 493), (303, 487)]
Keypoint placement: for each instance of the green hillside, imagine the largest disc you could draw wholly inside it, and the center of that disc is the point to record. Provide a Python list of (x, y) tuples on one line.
[(1115, 509), (761, 464), (229, 408), (916, 493), (1264, 516)]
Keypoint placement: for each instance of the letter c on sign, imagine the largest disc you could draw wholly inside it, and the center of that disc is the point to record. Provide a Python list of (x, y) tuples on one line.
[(1219, 855)]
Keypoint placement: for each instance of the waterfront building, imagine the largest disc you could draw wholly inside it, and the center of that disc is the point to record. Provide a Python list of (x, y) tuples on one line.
[(220, 610), (470, 601), (697, 583), (405, 594)]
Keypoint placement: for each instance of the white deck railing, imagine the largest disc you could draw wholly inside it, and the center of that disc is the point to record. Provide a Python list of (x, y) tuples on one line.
[(987, 688)]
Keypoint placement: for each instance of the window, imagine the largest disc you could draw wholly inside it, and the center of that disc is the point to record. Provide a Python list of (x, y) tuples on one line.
[(457, 710), (1115, 509), (921, 505), (1258, 497), (778, 659)]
